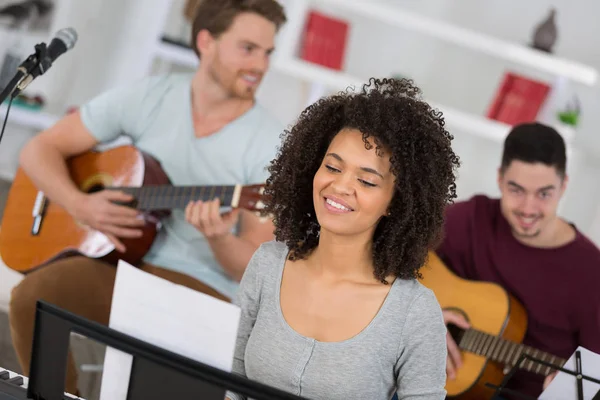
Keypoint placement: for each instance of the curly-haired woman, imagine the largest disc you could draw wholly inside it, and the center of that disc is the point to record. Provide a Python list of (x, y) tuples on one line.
[(332, 309)]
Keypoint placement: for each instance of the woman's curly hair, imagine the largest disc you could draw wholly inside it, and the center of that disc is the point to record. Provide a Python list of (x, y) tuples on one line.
[(422, 161)]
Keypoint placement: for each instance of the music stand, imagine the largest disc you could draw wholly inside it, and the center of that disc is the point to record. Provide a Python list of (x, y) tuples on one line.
[(156, 373), (579, 377)]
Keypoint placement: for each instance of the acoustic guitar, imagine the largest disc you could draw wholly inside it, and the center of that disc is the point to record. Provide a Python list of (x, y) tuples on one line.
[(493, 343), (36, 231)]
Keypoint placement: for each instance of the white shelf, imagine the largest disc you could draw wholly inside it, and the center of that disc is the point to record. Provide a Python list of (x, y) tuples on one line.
[(39, 120), (177, 54), (488, 128), (470, 39), (477, 41), (455, 119)]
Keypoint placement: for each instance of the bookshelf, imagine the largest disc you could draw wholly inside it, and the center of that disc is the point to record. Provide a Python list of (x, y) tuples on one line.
[(336, 80), (286, 61), (37, 120), (470, 39)]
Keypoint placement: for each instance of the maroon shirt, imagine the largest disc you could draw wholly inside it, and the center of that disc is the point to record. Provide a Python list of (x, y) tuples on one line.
[(559, 287)]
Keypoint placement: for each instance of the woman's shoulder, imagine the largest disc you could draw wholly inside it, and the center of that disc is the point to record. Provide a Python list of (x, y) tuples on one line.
[(272, 250), (412, 290), (416, 299), (263, 270), (269, 257)]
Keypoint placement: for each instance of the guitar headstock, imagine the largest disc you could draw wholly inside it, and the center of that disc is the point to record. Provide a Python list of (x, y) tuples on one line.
[(249, 197)]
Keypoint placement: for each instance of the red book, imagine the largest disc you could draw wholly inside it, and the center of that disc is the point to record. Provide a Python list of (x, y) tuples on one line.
[(324, 40), (518, 100)]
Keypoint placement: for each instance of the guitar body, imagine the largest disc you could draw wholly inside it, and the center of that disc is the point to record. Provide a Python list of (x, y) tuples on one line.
[(488, 308), (59, 234)]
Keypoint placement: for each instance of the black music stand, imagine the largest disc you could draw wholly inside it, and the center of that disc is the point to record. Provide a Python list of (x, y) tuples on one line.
[(579, 377), (155, 373)]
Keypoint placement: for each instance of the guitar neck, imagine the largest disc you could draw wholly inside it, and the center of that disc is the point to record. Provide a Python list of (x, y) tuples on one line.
[(167, 197), (507, 352)]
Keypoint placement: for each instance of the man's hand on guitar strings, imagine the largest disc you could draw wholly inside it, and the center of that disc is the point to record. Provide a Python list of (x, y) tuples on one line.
[(454, 360), (99, 211), (207, 218)]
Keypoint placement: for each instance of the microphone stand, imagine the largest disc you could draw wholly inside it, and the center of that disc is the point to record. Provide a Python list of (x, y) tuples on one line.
[(34, 65), (577, 373), (23, 77)]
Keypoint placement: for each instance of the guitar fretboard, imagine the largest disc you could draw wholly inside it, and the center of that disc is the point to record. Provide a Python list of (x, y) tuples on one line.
[(507, 352), (167, 197)]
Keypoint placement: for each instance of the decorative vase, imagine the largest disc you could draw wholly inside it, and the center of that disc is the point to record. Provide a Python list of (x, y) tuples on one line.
[(545, 33)]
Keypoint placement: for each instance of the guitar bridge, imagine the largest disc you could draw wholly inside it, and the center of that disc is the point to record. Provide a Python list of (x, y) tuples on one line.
[(38, 212)]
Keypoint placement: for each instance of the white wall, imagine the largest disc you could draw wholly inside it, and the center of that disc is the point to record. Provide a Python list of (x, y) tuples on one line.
[(115, 38)]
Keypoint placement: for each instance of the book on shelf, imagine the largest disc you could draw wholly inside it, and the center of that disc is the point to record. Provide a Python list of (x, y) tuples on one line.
[(518, 99), (324, 40)]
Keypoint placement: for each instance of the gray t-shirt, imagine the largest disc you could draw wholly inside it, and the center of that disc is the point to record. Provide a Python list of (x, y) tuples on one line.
[(155, 112), (402, 350)]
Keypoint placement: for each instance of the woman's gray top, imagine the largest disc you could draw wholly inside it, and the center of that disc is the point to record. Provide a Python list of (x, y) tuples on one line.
[(402, 350)]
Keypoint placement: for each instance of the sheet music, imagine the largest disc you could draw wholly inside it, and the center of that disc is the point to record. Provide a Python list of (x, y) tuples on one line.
[(564, 386), (171, 316)]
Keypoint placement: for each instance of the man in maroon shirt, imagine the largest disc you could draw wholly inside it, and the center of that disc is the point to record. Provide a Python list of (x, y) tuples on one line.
[(520, 243)]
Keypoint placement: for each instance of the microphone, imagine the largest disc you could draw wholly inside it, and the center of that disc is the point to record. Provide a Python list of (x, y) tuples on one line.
[(63, 41), (39, 62)]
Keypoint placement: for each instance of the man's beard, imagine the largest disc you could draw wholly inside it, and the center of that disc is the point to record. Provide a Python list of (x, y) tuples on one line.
[(227, 80), (526, 235)]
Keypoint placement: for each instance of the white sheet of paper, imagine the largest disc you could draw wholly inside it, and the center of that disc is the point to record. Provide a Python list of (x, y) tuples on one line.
[(171, 316), (564, 386)]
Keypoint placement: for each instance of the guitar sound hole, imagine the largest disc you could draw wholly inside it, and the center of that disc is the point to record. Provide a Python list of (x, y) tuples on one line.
[(95, 188), (456, 332)]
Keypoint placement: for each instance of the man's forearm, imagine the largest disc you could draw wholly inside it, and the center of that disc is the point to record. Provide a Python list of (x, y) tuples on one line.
[(233, 253), (49, 173)]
